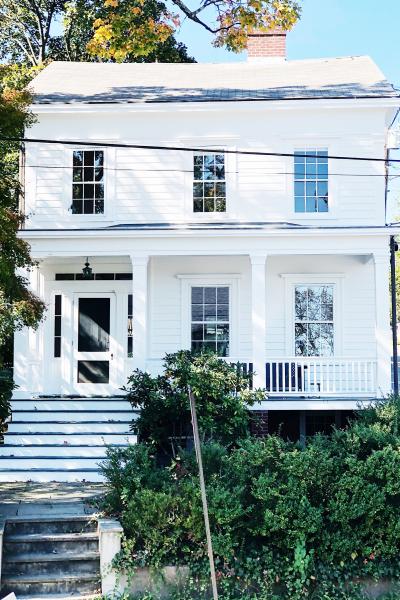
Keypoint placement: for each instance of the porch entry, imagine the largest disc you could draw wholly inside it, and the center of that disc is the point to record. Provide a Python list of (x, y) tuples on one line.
[(93, 344)]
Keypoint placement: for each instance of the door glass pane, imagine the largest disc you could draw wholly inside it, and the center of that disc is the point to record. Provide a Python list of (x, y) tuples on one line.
[(93, 371), (94, 325)]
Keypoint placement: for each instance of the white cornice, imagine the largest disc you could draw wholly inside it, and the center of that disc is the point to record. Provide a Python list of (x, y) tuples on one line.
[(243, 105), (35, 234)]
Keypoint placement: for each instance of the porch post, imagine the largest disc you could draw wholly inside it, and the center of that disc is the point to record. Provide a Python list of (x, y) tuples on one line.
[(258, 316), (139, 310), (382, 324)]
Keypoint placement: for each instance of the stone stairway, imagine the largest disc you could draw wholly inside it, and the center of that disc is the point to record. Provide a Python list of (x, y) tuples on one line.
[(63, 439), (51, 557)]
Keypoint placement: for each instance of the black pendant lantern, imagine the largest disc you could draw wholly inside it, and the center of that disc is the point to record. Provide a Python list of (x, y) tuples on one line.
[(87, 270)]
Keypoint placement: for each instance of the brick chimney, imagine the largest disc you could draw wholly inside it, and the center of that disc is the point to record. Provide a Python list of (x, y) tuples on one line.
[(267, 46)]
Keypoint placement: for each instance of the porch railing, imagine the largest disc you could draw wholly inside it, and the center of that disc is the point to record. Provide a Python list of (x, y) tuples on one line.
[(308, 376), (320, 376)]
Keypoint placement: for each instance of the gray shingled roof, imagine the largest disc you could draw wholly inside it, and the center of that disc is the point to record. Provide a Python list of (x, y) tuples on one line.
[(349, 77)]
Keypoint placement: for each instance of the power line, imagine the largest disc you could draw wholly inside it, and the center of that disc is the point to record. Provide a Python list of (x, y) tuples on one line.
[(135, 170), (191, 149)]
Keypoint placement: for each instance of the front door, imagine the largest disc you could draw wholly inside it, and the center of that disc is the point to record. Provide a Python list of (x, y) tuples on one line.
[(93, 355)]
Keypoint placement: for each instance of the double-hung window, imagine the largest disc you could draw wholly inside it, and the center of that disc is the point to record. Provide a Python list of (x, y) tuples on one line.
[(88, 182), (314, 325), (210, 320), (311, 181), (209, 184)]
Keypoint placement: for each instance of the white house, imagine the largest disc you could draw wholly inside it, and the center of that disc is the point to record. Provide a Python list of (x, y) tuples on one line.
[(217, 206)]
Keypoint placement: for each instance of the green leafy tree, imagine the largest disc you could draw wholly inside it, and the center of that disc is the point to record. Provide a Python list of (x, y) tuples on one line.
[(18, 306), (35, 31), (132, 27), (223, 397)]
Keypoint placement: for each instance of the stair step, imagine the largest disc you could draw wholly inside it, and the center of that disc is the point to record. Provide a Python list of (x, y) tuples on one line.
[(28, 578), (51, 537), (70, 596), (71, 566), (62, 475), (70, 427), (49, 557), (66, 416), (73, 439), (72, 405), (56, 545), (34, 585), (24, 526), (55, 451), (18, 463)]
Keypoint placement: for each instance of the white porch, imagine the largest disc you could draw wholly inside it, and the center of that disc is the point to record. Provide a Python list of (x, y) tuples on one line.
[(261, 322)]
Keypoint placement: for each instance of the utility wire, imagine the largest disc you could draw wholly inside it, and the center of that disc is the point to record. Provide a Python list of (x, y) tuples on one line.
[(135, 170), (190, 149)]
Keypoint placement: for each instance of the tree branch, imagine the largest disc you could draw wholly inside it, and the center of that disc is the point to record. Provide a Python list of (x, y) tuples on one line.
[(192, 15)]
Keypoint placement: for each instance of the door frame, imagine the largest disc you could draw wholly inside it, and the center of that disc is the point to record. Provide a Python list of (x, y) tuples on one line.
[(101, 389)]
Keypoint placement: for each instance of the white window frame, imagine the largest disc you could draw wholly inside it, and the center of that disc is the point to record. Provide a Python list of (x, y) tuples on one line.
[(109, 183), (305, 181), (215, 280), (309, 144), (213, 181), (293, 280), (230, 181)]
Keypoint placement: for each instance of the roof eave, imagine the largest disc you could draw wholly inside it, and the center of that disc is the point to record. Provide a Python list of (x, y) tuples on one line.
[(182, 106)]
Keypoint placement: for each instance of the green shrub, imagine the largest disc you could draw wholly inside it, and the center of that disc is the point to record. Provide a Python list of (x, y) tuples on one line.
[(6, 389), (222, 393), (286, 521)]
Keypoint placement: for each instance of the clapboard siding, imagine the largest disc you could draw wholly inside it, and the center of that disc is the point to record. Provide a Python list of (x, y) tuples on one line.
[(156, 186)]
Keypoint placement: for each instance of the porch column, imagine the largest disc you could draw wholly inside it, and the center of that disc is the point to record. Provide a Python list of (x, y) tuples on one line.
[(382, 324), (258, 317), (139, 310)]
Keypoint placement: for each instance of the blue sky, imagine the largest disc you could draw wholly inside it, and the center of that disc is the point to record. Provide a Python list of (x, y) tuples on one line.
[(327, 28)]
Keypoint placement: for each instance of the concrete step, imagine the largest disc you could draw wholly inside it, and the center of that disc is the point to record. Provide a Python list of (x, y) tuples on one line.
[(44, 584), (53, 526), (67, 565), (66, 416), (40, 463), (61, 597), (68, 439), (40, 475), (71, 405), (49, 557), (17, 426), (55, 450), (61, 543)]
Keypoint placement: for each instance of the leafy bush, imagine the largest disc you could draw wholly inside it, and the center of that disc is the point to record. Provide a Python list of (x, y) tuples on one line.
[(6, 389), (286, 521), (222, 393)]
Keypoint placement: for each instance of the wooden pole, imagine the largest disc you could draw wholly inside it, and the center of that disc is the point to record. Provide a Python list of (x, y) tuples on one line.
[(203, 493)]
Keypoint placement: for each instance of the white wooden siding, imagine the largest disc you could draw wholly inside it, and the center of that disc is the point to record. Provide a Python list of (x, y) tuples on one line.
[(156, 186)]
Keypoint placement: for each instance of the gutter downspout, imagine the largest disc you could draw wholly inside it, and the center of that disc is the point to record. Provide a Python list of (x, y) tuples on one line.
[(393, 249)]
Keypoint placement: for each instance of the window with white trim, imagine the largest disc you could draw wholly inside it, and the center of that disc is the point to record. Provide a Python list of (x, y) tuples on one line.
[(87, 182), (209, 183), (210, 319), (311, 181), (314, 325)]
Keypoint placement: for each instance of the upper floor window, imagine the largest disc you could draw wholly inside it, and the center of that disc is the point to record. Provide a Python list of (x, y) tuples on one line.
[(311, 181), (209, 184), (314, 327), (88, 182)]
